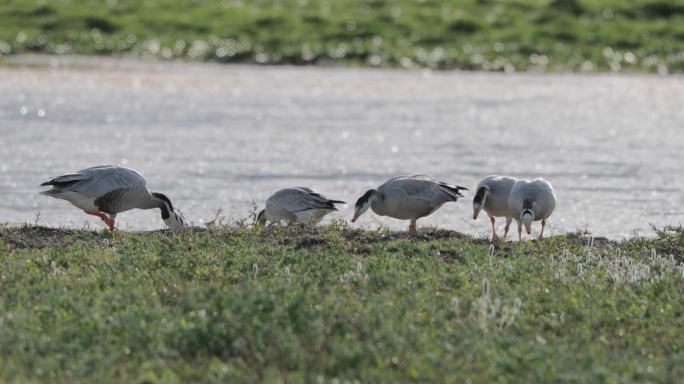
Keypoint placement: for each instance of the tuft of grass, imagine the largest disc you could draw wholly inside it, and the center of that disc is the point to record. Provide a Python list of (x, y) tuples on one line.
[(245, 304), (492, 35)]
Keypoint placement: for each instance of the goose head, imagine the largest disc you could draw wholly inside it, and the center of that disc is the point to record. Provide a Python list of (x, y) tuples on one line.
[(172, 219), (363, 203), (479, 200), (527, 215), (261, 218)]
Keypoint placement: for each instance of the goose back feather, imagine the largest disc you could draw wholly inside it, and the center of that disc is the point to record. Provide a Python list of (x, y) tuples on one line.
[(413, 197), (298, 204), (110, 188)]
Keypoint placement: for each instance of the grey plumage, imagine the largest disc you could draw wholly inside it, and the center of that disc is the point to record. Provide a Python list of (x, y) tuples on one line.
[(108, 188), (408, 198), (413, 197), (492, 195), (499, 188), (534, 197), (309, 200)]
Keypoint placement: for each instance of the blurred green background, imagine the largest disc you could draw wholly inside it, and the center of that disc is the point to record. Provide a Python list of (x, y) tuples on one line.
[(492, 35)]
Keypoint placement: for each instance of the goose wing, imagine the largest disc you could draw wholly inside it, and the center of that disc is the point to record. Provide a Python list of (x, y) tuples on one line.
[(416, 196), (545, 197), (65, 180), (97, 181), (427, 187), (538, 192), (302, 199), (499, 190)]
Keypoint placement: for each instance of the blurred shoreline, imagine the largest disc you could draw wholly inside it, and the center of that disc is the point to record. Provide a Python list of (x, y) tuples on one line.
[(128, 62), (492, 35)]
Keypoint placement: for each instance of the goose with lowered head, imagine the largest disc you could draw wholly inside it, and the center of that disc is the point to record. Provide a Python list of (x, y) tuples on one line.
[(107, 190), (530, 201), (407, 198), (296, 205), (492, 196)]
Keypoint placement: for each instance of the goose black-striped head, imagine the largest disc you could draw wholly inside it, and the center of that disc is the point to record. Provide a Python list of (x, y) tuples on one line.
[(261, 218), (527, 215), (479, 200), (172, 219), (363, 203)]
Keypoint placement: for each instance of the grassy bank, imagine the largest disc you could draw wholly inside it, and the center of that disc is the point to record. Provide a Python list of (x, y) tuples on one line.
[(558, 35), (292, 305)]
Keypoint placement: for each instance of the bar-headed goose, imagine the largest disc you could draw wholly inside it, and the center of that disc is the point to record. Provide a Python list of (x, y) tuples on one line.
[(296, 205), (407, 198), (107, 190), (531, 201), (492, 196)]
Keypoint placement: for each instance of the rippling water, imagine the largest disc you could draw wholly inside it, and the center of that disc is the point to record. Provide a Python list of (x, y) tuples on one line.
[(213, 136)]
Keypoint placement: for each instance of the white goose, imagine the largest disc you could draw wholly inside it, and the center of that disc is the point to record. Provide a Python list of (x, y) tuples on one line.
[(531, 201), (296, 205), (407, 198), (107, 190), (492, 196)]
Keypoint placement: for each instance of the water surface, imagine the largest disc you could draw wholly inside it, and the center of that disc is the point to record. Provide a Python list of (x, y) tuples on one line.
[(213, 136)]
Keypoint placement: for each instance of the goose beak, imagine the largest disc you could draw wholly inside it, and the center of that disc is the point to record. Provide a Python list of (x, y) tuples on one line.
[(476, 212), (356, 216)]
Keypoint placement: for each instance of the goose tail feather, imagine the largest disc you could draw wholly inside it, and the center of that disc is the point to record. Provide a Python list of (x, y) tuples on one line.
[(455, 189), (64, 180)]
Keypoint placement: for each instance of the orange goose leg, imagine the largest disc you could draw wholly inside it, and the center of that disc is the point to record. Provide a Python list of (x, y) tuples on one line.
[(108, 220)]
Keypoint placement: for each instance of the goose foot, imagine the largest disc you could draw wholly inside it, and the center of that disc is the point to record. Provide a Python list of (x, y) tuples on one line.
[(495, 239), (412, 228)]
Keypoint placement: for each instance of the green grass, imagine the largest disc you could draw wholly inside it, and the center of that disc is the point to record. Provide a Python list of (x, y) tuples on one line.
[(317, 305), (497, 35)]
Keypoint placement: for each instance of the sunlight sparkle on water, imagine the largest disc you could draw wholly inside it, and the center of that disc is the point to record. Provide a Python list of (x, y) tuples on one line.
[(347, 130)]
